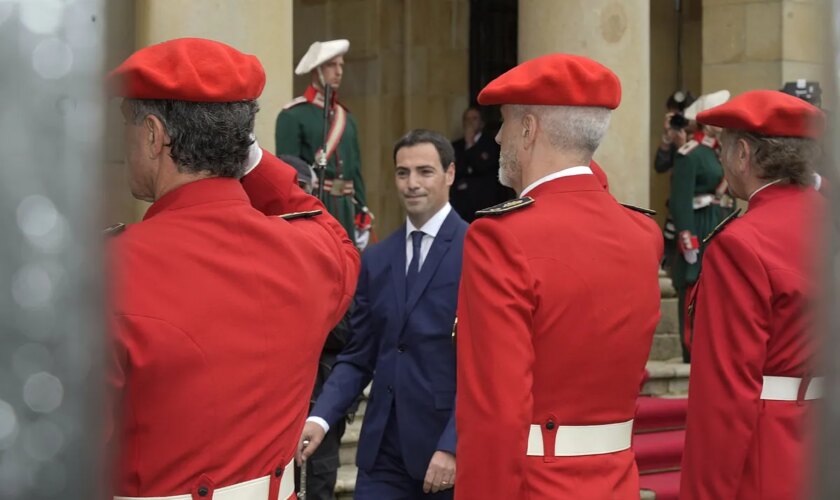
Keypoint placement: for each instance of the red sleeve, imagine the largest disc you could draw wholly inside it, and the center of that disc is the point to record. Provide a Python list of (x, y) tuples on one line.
[(728, 355), (273, 189), (495, 360)]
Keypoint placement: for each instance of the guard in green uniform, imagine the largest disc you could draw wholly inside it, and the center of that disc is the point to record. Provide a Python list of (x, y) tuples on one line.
[(300, 132), (699, 200)]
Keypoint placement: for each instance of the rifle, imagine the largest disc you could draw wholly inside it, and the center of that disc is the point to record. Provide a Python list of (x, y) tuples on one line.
[(321, 162)]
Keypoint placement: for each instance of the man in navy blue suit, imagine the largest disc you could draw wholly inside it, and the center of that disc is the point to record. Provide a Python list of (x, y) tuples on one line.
[(400, 337)]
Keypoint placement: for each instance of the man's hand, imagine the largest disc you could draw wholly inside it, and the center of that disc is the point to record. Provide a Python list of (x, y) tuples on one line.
[(312, 435), (666, 125), (441, 473), (678, 137)]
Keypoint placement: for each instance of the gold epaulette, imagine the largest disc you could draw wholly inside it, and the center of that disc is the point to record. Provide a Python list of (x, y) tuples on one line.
[(114, 229), (645, 211), (723, 223), (688, 147), (300, 215), (508, 206)]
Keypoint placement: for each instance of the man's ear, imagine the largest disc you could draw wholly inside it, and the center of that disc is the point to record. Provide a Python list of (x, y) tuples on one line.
[(529, 130), (450, 174), (744, 155), (156, 138)]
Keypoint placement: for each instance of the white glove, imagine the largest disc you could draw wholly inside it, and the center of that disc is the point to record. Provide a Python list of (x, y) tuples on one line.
[(362, 238), (690, 256)]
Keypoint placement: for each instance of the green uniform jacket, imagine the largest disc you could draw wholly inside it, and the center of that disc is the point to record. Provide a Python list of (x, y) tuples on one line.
[(697, 171), (300, 132)]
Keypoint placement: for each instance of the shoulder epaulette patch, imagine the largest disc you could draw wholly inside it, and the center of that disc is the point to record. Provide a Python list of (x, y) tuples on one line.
[(645, 211), (508, 206), (300, 215), (114, 229), (294, 102), (723, 223), (688, 147)]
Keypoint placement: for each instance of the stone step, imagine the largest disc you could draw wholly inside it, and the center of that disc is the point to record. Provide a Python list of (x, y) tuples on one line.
[(346, 483), (667, 378), (666, 338)]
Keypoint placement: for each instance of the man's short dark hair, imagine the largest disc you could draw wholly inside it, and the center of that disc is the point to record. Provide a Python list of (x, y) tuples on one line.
[(203, 136), (422, 136)]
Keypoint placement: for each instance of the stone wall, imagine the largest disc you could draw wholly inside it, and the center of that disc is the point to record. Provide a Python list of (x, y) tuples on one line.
[(617, 34), (762, 44), (407, 68)]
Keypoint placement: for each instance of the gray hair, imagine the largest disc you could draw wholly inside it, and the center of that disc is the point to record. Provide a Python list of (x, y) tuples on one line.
[(573, 128), (791, 158), (203, 136)]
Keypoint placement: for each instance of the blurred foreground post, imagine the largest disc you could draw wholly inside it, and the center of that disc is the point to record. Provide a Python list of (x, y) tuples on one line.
[(51, 308)]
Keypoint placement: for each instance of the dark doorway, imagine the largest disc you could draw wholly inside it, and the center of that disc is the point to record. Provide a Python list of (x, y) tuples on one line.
[(493, 45)]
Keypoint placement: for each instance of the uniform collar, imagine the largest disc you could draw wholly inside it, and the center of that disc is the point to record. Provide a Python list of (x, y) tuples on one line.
[(210, 190), (762, 188), (566, 172), (432, 226), (316, 97)]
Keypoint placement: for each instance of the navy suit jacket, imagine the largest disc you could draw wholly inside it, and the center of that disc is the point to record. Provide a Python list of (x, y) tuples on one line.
[(405, 345)]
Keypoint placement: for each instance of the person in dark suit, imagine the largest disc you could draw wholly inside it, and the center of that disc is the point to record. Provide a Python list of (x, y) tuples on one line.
[(400, 338), (476, 183)]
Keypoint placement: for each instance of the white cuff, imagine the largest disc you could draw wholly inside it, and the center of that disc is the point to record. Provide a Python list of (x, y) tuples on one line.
[(320, 421)]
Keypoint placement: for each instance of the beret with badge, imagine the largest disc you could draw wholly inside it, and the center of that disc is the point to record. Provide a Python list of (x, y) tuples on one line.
[(189, 69), (555, 80), (767, 112)]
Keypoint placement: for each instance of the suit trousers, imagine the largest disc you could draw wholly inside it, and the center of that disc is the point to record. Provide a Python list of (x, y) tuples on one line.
[(388, 479)]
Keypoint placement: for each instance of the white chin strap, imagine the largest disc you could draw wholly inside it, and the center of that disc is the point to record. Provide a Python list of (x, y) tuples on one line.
[(321, 78)]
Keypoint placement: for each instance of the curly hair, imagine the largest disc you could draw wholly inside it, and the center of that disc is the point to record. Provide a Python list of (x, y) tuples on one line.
[(790, 158), (203, 136)]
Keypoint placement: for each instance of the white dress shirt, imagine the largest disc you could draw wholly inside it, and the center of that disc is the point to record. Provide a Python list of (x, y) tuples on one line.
[(566, 172), (430, 230)]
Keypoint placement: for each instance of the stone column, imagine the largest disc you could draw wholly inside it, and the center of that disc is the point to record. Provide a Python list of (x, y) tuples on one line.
[(259, 27), (762, 44), (616, 34)]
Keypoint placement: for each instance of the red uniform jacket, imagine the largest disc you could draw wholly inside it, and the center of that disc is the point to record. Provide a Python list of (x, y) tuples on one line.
[(220, 313), (753, 317), (556, 314)]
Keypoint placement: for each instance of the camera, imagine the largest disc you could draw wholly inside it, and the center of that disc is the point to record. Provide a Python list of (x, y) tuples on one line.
[(678, 121), (809, 92)]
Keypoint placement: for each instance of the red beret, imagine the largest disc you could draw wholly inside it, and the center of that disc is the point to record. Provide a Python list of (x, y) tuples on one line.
[(767, 112), (555, 80), (189, 69)]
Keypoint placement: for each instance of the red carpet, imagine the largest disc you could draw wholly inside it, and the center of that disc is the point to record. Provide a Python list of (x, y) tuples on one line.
[(659, 414), (666, 485), (656, 451), (658, 439)]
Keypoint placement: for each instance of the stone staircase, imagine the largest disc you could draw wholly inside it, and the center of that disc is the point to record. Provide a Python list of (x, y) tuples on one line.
[(660, 421)]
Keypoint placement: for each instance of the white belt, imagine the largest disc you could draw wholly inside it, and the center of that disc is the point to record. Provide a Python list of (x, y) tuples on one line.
[(255, 489), (579, 440), (787, 388), (702, 201)]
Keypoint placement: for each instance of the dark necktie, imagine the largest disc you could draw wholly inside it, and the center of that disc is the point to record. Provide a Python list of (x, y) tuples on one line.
[(414, 266)]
